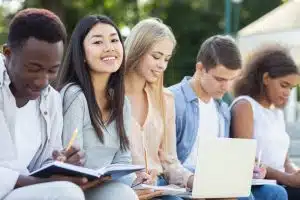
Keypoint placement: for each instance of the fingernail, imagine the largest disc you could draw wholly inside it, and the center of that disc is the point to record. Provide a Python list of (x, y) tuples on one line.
[(85, 180)]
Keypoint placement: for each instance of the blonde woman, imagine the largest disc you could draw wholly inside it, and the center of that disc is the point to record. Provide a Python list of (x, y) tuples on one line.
[(149, 48)]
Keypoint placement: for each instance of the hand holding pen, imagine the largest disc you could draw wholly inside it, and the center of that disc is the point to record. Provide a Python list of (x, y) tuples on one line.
[(148, 176), (145, 178), (260, 170), (71, 154)]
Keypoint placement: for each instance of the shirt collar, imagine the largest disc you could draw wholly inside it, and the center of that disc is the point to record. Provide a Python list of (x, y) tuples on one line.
[(187, 89)]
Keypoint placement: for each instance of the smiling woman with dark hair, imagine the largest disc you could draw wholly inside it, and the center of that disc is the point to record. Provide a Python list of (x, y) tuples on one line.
[(91, 83), (262, 91)]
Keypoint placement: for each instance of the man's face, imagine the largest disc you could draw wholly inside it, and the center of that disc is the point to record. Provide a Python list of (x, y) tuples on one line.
[(32, 66), (217, 81)]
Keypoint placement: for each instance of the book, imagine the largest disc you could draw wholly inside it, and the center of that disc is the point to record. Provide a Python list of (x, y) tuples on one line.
[(116, 171), (172, 190), (263, 182)]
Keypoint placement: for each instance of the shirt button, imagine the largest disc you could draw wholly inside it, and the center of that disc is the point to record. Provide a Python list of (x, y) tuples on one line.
[(45, 113)]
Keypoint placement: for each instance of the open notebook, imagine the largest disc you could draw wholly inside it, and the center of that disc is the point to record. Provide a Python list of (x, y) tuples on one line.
[(59, 168)]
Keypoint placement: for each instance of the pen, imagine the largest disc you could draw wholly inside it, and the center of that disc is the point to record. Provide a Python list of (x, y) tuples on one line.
[(137, 184), (259, 158)]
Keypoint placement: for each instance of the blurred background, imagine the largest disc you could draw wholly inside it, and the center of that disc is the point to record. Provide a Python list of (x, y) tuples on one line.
[(251, 22), (191, 20)]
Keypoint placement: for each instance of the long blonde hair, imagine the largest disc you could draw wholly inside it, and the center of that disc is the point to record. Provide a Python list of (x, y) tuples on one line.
[(142, 37)]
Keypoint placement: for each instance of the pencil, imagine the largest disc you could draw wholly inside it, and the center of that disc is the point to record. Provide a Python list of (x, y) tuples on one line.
[(74, 135), (146, 160)]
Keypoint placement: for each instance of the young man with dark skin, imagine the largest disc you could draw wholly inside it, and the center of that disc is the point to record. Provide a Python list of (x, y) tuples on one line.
[(30, 110)]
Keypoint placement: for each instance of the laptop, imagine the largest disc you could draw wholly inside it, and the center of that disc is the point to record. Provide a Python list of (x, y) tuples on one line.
[(224, 168)]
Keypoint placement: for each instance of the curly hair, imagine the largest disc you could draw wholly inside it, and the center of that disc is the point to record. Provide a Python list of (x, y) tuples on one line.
[(272, 59)]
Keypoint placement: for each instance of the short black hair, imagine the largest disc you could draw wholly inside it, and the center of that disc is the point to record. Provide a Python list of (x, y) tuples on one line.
[(41, 24), (220, 50)]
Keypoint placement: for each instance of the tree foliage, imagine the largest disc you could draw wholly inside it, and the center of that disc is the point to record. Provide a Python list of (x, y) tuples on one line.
[(192, 21)]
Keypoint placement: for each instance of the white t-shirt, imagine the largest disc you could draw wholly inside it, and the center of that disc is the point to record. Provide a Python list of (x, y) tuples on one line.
[(270, 134), (208, 127), (27, 132)]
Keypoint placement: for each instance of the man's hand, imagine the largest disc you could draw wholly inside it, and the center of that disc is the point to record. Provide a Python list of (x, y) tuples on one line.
[(77, 180), (148, 194), (30, 180), (81, 181), (72, 156), (95, 183)]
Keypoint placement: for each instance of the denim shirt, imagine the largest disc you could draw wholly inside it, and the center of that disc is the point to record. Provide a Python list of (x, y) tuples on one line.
[(187, 117)]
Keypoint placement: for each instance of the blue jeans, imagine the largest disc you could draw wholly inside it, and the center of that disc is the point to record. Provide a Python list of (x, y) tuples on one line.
[(162, 182), (269, 192)]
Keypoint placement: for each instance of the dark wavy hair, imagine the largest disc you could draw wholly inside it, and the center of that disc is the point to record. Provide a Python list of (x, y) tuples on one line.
[(272, 59), (75, 70)]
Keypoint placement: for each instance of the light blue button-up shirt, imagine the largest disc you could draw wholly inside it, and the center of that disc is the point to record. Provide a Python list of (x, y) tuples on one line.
[(187, 117)]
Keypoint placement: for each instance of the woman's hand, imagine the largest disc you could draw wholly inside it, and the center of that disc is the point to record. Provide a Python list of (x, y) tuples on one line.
[(259, 172), (146, 178)]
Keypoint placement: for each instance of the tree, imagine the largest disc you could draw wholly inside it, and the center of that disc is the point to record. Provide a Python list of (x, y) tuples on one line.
[(192, 21), (123, 12)]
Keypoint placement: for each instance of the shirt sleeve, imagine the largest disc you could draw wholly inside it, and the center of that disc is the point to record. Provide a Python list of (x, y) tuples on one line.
[(174, 172), (8, 175), (74, 118)]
